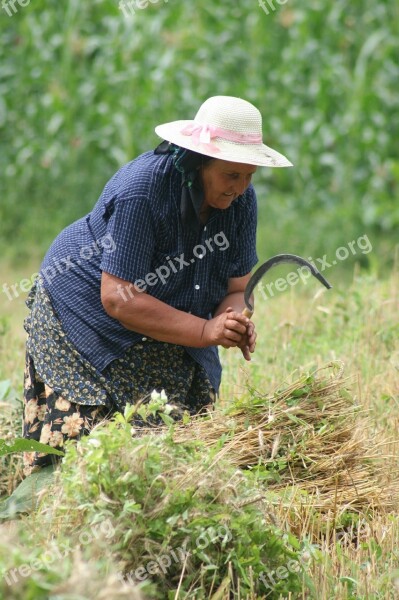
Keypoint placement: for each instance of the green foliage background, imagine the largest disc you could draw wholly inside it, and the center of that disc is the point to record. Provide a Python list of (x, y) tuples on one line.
[(82, 88)]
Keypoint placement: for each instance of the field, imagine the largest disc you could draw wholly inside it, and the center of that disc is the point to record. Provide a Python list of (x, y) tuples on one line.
[(350, 550), (290, 488)]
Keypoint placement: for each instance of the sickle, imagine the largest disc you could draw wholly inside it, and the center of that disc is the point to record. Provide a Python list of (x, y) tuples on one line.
[(272, 262)]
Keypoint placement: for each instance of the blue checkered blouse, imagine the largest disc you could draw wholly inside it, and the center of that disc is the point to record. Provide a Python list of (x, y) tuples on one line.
[(135, 232)]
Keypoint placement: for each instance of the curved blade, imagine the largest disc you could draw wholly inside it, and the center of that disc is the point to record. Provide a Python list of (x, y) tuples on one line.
[(272, 262)]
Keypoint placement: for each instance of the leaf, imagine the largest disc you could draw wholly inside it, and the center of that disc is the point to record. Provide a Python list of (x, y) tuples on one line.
[(350, 582), (166, 419), (220, 592), (186, 418), (24, 498), (130, 410), (295, 419), (293, 541), (301, 392), (24, 445), (4, 387)]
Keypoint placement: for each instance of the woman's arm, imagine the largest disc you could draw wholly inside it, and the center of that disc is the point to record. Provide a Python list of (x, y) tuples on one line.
[(151, 317), (235, 295)]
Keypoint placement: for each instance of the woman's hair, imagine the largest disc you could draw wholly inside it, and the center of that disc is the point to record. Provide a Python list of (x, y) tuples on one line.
[(187, 162)]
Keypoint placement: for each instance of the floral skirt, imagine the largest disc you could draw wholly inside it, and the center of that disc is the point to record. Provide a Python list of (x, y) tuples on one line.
[(65, 396), (50, 419)]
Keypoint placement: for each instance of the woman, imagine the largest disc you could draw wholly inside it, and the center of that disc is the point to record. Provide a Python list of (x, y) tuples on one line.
[(137, 295)]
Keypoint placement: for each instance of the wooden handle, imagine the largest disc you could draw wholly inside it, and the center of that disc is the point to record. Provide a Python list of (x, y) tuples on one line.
[(247, 313)]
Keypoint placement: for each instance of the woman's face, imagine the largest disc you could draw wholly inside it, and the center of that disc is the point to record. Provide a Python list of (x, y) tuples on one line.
[(224, 181)]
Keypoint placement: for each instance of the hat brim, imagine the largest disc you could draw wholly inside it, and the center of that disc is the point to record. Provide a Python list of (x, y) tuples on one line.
[(259, 155)]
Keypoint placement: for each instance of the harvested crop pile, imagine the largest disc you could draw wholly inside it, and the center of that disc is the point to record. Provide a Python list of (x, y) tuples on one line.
[(311, 436)]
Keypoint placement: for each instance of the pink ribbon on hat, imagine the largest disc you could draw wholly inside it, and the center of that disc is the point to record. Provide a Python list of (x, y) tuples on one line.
[(202, 134)]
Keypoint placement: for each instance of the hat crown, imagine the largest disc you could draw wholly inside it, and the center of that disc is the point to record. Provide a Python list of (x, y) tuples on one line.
[(233, 114)]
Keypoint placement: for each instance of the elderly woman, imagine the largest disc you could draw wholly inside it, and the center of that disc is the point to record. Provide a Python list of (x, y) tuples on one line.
[(137, 295)]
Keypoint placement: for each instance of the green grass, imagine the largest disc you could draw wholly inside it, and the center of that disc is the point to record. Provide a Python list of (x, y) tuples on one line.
[(298, 330)]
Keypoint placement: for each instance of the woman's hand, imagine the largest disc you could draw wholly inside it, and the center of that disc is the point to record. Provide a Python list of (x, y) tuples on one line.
[(230, 329), (249, 345), (235, 299)]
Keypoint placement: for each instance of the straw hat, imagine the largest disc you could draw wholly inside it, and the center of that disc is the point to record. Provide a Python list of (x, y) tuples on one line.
[(227, 128)]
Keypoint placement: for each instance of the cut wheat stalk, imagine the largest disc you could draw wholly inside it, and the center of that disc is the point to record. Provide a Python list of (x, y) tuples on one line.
[(311, 435)]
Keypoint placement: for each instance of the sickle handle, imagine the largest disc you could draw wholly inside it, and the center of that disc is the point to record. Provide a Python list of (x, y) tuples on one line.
[(247, 313)]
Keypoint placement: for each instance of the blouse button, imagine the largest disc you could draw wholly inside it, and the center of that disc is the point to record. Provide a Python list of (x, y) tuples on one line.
[(197, 287)]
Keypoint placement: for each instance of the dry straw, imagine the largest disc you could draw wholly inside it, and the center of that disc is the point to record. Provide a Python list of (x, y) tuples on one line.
[(317, 443)]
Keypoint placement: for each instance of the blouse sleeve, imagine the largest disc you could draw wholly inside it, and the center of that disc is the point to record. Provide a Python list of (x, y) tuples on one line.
[(131, 227)]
